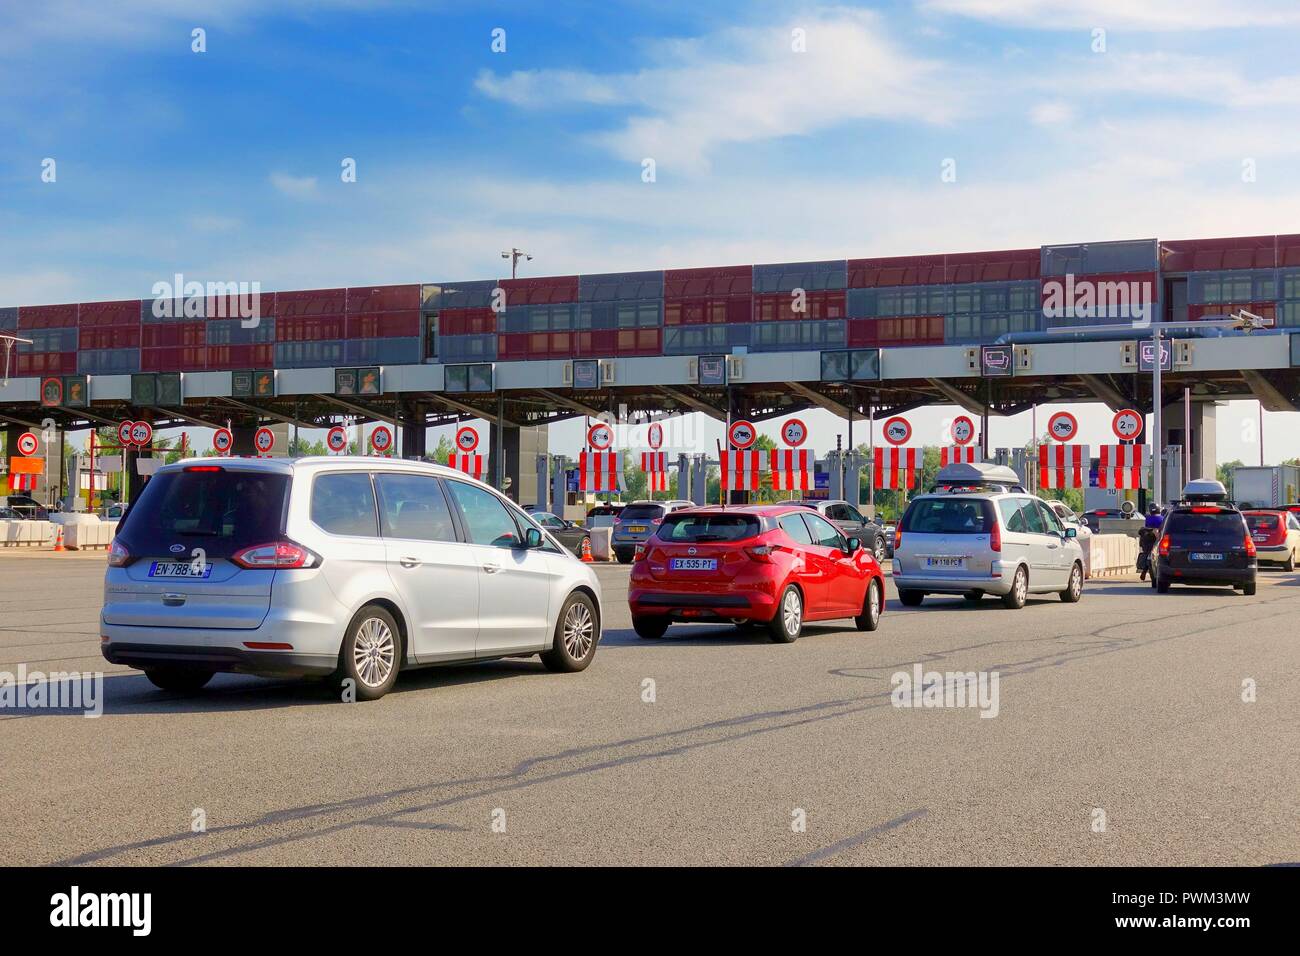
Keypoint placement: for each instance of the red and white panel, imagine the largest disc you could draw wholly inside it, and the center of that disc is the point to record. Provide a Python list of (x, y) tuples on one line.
[(1122, 466), (1063, 466), (471, 463), (655, 466), (792, 469), (740, 469), (600, 470), (896, 467), (953, 454), (21, 482)]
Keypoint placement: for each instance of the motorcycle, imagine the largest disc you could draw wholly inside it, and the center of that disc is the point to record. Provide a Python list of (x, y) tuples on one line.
[(1147, 538)]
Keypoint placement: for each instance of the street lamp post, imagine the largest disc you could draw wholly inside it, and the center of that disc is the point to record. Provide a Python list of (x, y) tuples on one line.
[(514, 255)]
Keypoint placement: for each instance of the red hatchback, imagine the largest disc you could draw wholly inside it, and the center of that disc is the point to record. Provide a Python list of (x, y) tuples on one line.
[(770, 566)]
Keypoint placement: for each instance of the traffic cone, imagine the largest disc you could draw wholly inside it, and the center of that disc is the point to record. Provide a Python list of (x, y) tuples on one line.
[(586, 557), (58, 540)]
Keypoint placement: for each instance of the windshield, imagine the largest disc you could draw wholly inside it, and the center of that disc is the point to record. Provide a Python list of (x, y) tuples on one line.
[(1262, 524), (949, 516), (706, 527), (219, 511)]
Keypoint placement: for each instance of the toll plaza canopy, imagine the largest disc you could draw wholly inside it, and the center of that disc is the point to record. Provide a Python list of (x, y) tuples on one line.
[(888, 333)]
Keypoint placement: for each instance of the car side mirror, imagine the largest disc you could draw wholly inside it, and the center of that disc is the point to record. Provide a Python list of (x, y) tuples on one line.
[(1072, 532), (853, 545), (533, 538)]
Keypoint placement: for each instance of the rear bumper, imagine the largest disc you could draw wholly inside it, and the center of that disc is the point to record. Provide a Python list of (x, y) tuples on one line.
[(952, 583), (1220, 576), (1272, 553), (747, 605), (228, 659)]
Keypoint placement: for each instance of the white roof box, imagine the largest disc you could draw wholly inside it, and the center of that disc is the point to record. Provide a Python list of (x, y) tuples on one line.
[(979, 473), (1205, 489)]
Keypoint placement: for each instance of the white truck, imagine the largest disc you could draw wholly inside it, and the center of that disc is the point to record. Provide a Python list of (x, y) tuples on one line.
[(1266, 486)]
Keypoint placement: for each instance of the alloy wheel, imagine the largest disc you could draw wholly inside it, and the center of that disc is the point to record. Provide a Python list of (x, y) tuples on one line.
[(579, 630), (374, 652)]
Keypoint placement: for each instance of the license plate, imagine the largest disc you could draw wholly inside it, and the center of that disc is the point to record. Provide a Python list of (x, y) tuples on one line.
[(695, 564), (1206, 556), (945, 562), (178, 569), (636, 528)]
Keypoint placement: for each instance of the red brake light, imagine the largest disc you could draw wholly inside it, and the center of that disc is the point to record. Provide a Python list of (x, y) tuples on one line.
[(203, 468), (1250, 545), (761, 553), (280, 555), (1164, 546), (995, 537), (118, 556), (898, 537), (1203, 510)]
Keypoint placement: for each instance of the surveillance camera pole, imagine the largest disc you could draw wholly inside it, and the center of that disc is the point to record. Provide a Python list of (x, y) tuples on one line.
[(514, 255)]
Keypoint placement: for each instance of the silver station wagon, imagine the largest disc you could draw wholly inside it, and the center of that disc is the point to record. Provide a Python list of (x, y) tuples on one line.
[(351, 568), (980, 533)]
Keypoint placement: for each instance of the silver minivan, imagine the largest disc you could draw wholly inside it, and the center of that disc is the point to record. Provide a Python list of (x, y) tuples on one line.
[(978, 541), (347, 567)]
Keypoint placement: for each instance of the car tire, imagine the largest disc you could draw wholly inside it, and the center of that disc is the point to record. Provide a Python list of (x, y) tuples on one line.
[(974, 596), (872, 604), (577, 632), (1074, 590), (1289, 564), (911, 598), (787, 622), (185, 680), (1015, 598), (624, 557), (879, 551), (1248, 589), (371, 654), (651, 627), (1162, 587)]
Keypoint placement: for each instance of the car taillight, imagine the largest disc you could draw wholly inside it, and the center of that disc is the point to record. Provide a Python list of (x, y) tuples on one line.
[(1164, 546), (995, 537), (640, 551), (118, 556), (1250, 545), (656, 520), (761, 553), (279, 555), (203, 468), (898, 538)]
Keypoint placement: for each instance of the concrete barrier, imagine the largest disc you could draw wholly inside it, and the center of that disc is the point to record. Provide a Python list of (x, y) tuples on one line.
[(1109, 554), (84, 531), (15, 532), (602, 544)]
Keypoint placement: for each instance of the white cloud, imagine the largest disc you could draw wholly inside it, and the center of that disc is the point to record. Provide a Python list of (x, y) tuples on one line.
[(298, 187), (1051, 113), (744, 85), (1146, 15)]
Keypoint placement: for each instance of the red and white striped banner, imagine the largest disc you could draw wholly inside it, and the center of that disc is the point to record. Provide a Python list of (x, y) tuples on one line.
[(600, 470), (1063, 466), (952, 454), (471, 464), (896, 467), (792, 469), (740, 469), (1122, 466), (21, 482), (655, 466)]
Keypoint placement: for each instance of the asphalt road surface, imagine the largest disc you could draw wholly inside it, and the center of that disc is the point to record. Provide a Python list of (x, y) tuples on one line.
[(1121, 737)]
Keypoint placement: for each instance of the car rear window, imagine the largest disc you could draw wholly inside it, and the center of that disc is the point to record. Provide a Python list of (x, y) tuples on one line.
[(221, 511), (1267, 524), (642, 512), (603, 511), (949, 516), (1217, 527), (706, 527)]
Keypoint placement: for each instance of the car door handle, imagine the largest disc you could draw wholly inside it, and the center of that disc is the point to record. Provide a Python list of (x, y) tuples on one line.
[(409, 562), (1052, 547), (491, 568)]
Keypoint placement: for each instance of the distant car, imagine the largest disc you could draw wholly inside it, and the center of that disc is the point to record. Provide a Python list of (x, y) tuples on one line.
[(637, 522), (1069, 518), (889, 527), (566, 532), (761, 566), (980, 539), (1093, 518), (24, 506), (1205, 541), (1276, 535), (604, 515), (853, 523)]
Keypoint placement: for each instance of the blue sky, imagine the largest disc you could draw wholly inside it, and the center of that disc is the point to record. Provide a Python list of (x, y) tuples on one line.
[(226, 164)]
